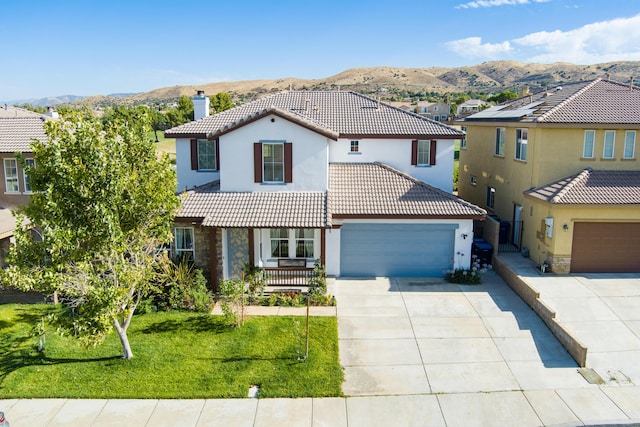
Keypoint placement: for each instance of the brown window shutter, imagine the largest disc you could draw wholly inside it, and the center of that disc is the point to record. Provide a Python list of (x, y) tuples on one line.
[(194, 154), (217, 154), (288, 162), (414, 152), (432, 153), (257, 162)]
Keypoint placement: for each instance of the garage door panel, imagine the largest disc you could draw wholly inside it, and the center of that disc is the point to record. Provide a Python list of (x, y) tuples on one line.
[(605, 248), (396, 249)]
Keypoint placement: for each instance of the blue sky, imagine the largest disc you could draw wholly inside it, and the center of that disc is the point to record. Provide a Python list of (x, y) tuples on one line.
[(92, 47)]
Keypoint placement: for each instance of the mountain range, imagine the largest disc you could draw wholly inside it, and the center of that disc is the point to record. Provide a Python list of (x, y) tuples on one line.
[(488, 77)]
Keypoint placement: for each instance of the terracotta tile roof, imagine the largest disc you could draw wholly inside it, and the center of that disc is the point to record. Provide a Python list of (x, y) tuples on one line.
[(592, 187), (357, 190), (344, 113), (375, 189), (590, 102), (16, 134), (290, 209)]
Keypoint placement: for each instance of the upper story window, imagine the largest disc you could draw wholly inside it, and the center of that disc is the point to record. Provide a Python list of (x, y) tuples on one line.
[(629, 145), (522, 140), (473, 180), (273, 162), (205, 155), (463, 141), (423, 153), (11, 176), (354, 147), (499, 149), (609, 144), (436, 118), (184, 243), (31, 163), (589, 144)]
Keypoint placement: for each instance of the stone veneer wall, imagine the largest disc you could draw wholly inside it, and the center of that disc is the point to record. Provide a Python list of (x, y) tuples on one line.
[(202, 259), (559, 264), (5, 244)]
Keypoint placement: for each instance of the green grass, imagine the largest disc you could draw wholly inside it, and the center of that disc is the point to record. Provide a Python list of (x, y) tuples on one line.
[(164, 145), (177, 355)]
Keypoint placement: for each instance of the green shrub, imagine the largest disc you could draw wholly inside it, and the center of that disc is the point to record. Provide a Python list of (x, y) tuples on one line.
[(184, 287), (231, 295)]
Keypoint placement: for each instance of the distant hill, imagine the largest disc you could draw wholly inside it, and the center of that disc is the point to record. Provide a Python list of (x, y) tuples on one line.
[(46, 102), (393, 82)]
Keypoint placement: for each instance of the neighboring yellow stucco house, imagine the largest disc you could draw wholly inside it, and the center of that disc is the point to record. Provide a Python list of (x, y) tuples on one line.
[(560, 169)]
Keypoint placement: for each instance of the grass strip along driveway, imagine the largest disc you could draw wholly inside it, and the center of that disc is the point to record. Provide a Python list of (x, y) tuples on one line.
[(177, 355)]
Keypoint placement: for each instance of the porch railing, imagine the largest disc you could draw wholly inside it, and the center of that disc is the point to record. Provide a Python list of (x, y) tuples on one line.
[(288, 276)]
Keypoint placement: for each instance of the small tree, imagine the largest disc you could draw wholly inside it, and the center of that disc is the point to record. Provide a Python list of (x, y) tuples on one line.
[(103, 202), (220, 101)]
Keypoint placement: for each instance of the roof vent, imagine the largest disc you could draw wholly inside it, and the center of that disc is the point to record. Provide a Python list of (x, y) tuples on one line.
[(608, 76), (631, 84), (559, 88), (200, 93)]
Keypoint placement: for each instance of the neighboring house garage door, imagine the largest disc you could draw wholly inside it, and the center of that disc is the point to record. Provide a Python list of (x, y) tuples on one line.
[(600, 247), (396, 249)]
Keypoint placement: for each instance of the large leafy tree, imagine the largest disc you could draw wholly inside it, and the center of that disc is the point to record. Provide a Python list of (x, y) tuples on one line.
[(103, 203)]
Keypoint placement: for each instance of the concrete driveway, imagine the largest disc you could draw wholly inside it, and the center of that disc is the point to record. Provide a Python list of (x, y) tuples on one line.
[(402, 336), (603, 312)]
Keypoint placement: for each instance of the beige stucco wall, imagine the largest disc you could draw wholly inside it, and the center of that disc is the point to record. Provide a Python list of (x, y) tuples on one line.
[(553, 153)]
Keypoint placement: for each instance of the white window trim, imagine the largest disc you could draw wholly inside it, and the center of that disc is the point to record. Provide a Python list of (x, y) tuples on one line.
[(633, 144), (215, 160), (500, 141), (6, 177), (178, 252), (264, 180), (593, 144), (427, 143), (525, 144), (265, 246), (613, 144), (356, 146), (24, 176)]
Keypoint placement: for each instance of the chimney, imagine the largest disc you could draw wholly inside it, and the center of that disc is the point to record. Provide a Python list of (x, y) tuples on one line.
[(200, 106), (52, 113)]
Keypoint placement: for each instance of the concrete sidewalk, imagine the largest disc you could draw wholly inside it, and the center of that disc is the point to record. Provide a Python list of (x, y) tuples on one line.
[(569, 407)]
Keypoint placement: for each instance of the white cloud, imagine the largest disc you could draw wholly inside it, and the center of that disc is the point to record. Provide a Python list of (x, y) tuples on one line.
[(606, 41), (492, 3), (472, 47)]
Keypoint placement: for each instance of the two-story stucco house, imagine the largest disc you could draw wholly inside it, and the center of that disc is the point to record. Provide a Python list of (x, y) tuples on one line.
[(18, 128), (335, 176), (563, 166), (438, 111)]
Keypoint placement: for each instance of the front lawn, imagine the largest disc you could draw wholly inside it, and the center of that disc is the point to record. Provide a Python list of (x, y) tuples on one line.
[(177, 355)]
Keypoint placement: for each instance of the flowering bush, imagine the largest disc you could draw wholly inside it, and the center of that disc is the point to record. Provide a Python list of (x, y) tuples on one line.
[(471, 276)]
